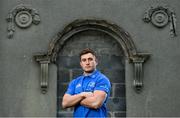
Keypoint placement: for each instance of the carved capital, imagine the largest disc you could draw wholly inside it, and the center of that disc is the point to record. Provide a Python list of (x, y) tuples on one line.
[(138, 61), (44, 60)]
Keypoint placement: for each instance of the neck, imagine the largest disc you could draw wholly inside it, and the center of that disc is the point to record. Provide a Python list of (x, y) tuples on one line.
[(88, 73)]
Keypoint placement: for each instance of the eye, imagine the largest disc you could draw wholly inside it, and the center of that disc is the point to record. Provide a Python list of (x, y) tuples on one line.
[(90, 59), (83, 60)]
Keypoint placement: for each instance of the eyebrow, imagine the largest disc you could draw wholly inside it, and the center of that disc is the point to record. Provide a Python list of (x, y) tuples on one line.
[(86, 58)]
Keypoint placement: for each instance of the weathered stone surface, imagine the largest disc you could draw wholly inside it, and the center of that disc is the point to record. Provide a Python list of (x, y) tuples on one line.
[(116, 104)]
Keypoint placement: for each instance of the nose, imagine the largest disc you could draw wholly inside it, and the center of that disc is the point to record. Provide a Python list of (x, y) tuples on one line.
[(87, 62)]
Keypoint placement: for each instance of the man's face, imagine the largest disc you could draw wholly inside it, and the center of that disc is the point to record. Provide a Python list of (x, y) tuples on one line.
[(88, 62)]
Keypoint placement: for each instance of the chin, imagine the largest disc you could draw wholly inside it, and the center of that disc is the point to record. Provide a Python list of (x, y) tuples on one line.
[(88, 71)]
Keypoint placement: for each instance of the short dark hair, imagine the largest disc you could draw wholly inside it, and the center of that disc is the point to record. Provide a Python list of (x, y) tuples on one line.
[(85, 51)]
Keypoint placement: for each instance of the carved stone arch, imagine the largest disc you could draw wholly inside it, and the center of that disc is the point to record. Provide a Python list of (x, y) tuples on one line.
[(119, 34)]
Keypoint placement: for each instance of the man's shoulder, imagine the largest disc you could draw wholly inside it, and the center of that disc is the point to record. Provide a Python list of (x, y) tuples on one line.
[(78, 78), (75, 80), (102, 75)]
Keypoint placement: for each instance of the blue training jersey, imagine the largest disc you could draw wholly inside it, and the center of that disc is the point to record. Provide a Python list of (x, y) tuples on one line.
[(90, 83)]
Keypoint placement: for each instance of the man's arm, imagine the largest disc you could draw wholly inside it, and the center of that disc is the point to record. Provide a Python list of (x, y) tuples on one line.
[(72, 100), (94, 101)]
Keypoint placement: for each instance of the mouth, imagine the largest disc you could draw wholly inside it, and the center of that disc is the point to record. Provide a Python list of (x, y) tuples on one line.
[(88, 67)]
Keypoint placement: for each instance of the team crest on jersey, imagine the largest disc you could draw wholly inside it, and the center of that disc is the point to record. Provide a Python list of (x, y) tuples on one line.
[(91, 84)]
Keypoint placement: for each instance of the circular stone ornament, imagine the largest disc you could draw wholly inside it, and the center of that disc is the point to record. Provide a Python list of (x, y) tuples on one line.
[(159, 18), (23, 19)]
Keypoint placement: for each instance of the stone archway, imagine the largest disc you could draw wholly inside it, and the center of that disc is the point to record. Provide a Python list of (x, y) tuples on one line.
[(120, 35)]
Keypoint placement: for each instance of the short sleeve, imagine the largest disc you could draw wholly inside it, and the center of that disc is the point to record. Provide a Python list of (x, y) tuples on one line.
[(103, 84), (71, 87)]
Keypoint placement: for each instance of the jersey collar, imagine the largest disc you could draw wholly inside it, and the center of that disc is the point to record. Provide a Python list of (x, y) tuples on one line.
[(92, 75)]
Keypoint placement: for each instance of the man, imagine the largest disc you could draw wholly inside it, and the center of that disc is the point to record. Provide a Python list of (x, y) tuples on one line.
[(89, 92)]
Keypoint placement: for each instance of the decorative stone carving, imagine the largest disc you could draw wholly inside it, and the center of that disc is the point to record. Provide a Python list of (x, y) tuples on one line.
[(44, 61), (138, 61), (23, 19), (23, 16), (160, 16)]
